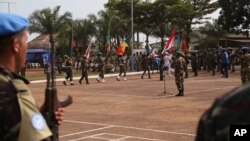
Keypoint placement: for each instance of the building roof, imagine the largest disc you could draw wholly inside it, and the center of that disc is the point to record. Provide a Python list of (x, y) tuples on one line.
[(41, 41)]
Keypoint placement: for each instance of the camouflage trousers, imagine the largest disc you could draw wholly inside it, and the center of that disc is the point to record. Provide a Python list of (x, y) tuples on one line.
[(179, 81), (102, 72), (69, 74), (245, 75)]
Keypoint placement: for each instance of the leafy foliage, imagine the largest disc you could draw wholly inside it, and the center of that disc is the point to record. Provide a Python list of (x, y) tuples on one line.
[(235, 14)]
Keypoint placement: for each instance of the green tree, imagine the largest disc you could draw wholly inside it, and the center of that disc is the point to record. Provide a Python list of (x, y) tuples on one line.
[(212, 33), (160, 31), (235, 15), (83, 31), (48, 21)]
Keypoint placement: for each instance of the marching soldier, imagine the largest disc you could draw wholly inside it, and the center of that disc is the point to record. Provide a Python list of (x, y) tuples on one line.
[(68, 69), (145, 65), (245, 66), (20, 117), (101, 68), (122, 63), (84, 67), (179, 72)]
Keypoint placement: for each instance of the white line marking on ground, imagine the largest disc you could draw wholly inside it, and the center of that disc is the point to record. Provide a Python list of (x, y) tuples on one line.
[(125, 137), (119, 135), (104, 138), (87, 137), (160, 131), (90, 77), (86, 131)]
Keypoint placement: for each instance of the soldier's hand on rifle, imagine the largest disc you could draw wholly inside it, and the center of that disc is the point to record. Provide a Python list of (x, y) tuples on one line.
[(59, 115)]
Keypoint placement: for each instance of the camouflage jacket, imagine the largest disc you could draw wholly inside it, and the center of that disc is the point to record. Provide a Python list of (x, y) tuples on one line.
[(245, 60), (179, 65), (20, 118), (231, 108), (10, 115)]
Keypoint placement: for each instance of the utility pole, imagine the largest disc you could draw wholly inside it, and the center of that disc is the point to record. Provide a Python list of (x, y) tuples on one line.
[(8, 3)]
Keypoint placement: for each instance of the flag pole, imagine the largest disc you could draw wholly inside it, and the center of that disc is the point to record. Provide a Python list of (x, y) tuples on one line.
[(132, 25)]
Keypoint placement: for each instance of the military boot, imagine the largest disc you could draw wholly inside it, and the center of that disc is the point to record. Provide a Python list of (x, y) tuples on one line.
[(179, 93), (182, 92)]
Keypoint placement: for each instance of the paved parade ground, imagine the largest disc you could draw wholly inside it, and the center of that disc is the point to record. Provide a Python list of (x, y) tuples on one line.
[(132, 110)]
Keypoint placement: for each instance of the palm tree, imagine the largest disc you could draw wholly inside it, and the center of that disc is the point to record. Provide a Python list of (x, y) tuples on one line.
[(108, 24), (83, 31), (48, 21)]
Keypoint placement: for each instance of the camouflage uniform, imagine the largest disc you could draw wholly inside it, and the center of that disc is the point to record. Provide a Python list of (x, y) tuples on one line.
[(145, 65), (179, 73), (20, 118), (245, 67), (232, 108), (84, 67), (194, 63), (213, 62), (68, 68), (122, 63), (101, 68)]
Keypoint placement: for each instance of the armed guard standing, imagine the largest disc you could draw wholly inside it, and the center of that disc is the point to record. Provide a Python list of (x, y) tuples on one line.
[(213, 62), (84, 67), (194, 63), (68, 69), (187, 61), (245, 66), (20, 117), (179, 72)]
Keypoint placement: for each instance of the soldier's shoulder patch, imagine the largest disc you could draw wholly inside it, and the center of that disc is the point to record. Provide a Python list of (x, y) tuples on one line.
[(38, 121)]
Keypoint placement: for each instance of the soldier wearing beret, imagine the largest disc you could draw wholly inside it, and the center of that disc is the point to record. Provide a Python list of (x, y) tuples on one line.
[(20, 118)]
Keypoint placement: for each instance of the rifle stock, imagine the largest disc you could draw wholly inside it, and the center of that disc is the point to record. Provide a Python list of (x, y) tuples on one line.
[(51, 103)]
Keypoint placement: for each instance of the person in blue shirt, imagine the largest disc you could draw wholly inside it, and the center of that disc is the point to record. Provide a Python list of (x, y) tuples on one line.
[(225, 63)]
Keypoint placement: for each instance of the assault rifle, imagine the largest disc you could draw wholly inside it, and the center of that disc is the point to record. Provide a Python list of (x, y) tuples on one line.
[(52, 103)]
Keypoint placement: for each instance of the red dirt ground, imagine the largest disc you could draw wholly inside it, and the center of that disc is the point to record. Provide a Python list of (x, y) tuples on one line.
[(132, 110)]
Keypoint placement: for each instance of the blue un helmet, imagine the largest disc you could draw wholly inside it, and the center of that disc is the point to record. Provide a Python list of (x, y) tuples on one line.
[(11, 24)]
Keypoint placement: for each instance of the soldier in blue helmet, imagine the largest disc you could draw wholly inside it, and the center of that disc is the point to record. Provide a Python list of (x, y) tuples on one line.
[(20, 119)]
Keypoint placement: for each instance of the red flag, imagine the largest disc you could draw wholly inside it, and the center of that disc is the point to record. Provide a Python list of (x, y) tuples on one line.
[(119, 50), (184, 47), (87, 52), (170, 41)]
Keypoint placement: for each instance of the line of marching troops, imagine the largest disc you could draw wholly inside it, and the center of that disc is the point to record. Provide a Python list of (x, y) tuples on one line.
[(221, 60)]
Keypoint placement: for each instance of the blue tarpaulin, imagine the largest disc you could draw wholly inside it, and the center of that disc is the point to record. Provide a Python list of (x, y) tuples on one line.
[(38, 55), (36, 50)]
